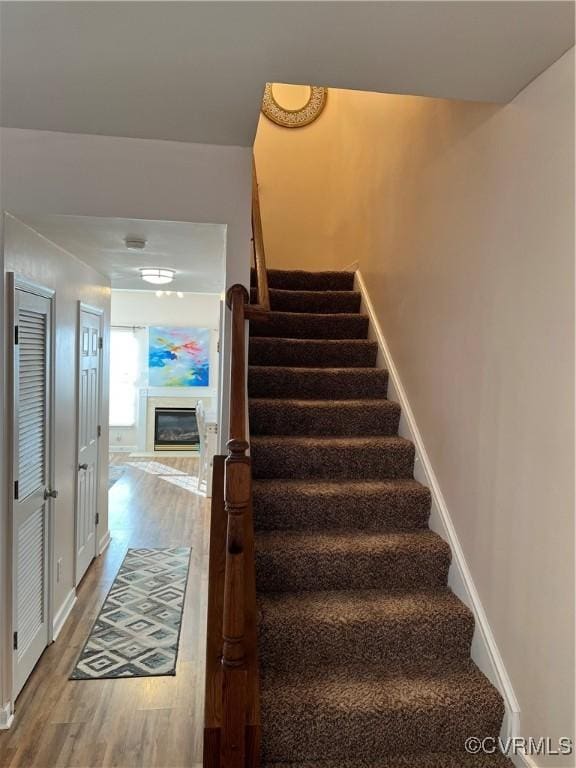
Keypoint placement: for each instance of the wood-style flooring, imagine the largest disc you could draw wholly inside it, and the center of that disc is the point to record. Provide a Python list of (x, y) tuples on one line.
[(153, 722)]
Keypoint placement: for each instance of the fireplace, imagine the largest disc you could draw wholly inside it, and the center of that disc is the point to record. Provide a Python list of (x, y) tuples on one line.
[(175, 429)]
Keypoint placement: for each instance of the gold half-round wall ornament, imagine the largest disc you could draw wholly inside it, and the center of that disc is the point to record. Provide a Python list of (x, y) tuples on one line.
[(294, 118)]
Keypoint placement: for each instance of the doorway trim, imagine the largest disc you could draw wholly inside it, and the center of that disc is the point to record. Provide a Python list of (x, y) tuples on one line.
[(15, 282), (99, 312)]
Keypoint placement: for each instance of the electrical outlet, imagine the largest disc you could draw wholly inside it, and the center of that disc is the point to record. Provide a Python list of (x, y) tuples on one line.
[(59, 569)]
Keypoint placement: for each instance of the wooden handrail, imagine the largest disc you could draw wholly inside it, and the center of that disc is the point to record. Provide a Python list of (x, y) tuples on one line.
[(232, 704), (262, 292)]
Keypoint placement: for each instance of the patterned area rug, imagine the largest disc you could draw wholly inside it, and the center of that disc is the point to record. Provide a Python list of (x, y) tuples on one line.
[(138, 629), (115, 472)]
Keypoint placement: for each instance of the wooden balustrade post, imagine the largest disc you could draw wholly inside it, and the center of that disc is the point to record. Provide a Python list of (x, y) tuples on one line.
[(232, 706), (237, 498)]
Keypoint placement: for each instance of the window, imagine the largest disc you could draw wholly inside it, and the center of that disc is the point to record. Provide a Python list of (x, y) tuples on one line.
[(123, 377)]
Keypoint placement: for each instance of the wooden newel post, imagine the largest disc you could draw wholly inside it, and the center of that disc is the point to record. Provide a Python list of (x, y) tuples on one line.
[(237, 499)]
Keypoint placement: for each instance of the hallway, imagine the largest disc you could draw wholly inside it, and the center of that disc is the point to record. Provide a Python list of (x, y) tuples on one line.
[(153, 722)]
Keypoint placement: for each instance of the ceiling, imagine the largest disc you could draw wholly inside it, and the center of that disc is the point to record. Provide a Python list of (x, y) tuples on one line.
[(195, 251), (195, 71)]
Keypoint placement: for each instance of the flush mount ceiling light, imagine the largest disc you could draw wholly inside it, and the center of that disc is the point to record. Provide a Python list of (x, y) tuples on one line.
[(157, 275)]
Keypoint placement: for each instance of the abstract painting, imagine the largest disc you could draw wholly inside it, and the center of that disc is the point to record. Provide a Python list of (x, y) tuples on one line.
[(179, 357)]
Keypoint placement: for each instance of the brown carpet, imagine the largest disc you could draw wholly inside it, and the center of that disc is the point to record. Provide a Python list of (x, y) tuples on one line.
[(428, 760), (364, 650)]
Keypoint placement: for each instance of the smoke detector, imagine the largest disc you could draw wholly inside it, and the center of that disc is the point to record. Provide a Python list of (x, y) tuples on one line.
[(135, 243)]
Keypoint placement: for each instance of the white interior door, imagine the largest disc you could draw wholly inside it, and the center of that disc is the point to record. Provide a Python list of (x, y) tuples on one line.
[(90, 331), (31, 473)]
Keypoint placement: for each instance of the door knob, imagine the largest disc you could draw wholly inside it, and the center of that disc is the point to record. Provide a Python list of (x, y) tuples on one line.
[(50, 494), (82, 466)]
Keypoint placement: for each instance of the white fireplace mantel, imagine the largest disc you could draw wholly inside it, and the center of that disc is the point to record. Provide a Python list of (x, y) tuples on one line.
[(150, 398)]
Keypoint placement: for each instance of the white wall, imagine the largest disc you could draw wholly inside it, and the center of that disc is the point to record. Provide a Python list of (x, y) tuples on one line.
[(32, 256), (66, 173), (201, 310), (62, 173), (473, 281), (461, 216), (145, 309)]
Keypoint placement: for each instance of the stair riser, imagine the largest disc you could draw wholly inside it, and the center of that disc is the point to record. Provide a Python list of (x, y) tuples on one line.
[(295, 326), (403, 511), (313, 354), (269, 418), (307, 281), (377, 642), (368, 735), (342, 461), (311, 301), (317, 385), (289, 572)]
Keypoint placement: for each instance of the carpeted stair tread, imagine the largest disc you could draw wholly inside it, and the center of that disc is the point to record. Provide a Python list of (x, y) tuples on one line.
[(273, 416), (301, 280), (311, 629), (300, 325), (313, 353), (425, 760), (317, 383), (375, 505), (299, 561), (350, 712), (311, 301), (364, 651), (331, 457)]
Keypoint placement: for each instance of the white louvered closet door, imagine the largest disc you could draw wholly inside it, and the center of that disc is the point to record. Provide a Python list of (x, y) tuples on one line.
[(32, 353)]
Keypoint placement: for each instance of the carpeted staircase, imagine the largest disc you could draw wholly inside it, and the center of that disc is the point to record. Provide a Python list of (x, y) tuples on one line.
[(364, 651)]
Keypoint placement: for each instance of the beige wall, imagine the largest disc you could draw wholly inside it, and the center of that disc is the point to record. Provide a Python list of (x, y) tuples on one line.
[(461, 217), (298, 170), (32, 256)]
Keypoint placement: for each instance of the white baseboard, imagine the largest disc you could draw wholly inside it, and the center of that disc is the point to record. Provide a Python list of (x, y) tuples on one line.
[(60, 618), (484, 652), (6, 716), (104, 542)]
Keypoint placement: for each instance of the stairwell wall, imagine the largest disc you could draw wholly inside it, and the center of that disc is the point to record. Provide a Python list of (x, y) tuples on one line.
[(460, 216)]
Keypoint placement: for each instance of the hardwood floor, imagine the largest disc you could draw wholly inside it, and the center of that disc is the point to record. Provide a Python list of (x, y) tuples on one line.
[(153, 722)]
